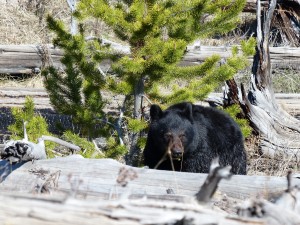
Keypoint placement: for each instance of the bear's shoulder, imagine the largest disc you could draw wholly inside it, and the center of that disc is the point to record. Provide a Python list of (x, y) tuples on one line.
[(187, 109), (201, 115), (193, 113)]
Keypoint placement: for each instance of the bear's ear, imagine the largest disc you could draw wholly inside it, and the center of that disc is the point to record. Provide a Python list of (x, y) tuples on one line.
[(155, 112), (187, 111)]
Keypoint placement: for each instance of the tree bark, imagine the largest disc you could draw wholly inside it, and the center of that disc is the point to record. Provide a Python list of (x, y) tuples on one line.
[(280, 131), (74, 25), (285, 22), (251, 4), (133, 157)]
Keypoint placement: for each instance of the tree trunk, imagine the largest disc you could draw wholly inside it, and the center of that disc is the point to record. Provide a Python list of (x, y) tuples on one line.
[(133, 157), (74, 25), (280, 132), (285, 22)]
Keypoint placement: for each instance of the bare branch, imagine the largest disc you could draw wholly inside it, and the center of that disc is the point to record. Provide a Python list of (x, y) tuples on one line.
[(210, 185), (61, 142)]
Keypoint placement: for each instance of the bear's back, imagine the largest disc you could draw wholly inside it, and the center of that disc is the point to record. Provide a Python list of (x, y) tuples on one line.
[(215, 119), (211, 118)]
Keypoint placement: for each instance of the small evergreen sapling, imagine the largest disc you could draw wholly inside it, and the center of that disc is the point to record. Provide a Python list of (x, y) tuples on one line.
[(76, 90), (36, 125)]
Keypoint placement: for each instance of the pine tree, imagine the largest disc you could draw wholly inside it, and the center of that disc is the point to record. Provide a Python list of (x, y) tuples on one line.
[(158, 32), (36, 125), (76, 90)]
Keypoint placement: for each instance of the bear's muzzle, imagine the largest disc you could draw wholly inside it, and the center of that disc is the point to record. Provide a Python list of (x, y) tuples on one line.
[(175, 147)]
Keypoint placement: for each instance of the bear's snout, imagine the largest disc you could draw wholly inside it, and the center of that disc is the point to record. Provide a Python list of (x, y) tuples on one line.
[(177, 153), (176, 147)]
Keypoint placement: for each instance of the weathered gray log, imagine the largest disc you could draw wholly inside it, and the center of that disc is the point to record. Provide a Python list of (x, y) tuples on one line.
[(58, 210), (16, 59), (97, 178), (271, 213), (284, 210), (15, 97), (35, 210), (76, 186), (27, 58)]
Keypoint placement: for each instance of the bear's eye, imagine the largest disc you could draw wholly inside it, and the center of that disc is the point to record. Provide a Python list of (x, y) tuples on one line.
[(182, 136), (167, 136)]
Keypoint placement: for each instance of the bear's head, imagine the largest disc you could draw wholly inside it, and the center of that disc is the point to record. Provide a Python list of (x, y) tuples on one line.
[(172, 131)]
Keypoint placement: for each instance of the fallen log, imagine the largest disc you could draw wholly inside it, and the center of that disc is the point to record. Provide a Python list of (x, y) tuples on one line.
[(27, 59), (68, 191), (15, 97), (34, 210), (98, 178)]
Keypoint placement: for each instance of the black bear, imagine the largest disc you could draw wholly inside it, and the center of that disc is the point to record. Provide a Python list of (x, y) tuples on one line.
[(192, 136)]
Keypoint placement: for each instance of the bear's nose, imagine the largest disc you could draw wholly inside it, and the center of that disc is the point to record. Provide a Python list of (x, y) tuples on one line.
[(177, 153)]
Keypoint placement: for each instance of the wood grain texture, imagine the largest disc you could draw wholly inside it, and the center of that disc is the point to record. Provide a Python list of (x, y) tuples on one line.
[(85, 191), (32, 210), (97, 177)]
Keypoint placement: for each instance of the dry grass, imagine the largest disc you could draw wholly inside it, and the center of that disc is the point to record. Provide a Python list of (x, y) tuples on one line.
[(24, 22), (28, 81), (260, 164)]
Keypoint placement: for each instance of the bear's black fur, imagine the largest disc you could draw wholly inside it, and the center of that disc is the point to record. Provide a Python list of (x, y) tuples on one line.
[(192, 136)]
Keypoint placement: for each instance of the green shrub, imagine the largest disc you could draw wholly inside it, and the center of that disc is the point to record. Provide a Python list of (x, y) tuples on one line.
[(234, 111), (36, 125)]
